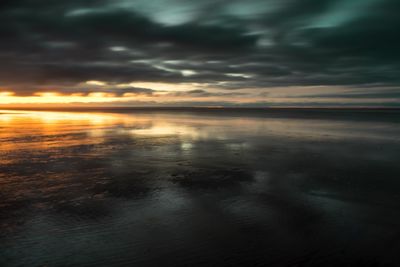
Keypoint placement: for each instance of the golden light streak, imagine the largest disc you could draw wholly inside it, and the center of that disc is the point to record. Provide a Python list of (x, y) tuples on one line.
[(163, 86), (100, 95), (54, 98), (6, 94), (47, 94), (96, 83)]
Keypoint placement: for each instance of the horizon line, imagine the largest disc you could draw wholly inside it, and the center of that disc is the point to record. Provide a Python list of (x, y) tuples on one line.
[(177, 108)]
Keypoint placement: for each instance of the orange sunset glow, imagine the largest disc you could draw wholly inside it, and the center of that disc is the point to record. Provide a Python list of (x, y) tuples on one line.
[(54, 97)]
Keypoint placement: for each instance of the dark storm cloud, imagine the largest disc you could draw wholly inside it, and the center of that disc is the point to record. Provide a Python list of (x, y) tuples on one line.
[(225, 44), (85, 90), (372, 36), (111, 90)]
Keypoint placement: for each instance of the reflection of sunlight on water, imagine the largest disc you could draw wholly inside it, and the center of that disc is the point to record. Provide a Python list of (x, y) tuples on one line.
[(137, 124), (189, 128), (167, 129), (186, 146), (57, 117), (5, 118), (30, 130)]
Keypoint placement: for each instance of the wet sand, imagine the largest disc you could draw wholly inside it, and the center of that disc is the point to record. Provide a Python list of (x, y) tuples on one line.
[(200, 188)]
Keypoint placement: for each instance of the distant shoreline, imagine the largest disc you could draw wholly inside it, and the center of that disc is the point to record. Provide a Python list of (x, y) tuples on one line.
[(354, 114), (148, 108)]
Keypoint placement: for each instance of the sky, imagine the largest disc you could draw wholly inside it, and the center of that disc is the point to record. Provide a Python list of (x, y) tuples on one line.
[(257, 53)]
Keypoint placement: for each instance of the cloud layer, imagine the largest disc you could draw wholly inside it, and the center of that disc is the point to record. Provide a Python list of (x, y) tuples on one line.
[(223, 49)]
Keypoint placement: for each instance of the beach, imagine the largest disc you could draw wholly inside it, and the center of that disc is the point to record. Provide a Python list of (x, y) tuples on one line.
[(200, 188)]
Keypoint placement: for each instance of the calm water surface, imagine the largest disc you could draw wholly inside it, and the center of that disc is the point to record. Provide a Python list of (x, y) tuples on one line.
[(199, 189)]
